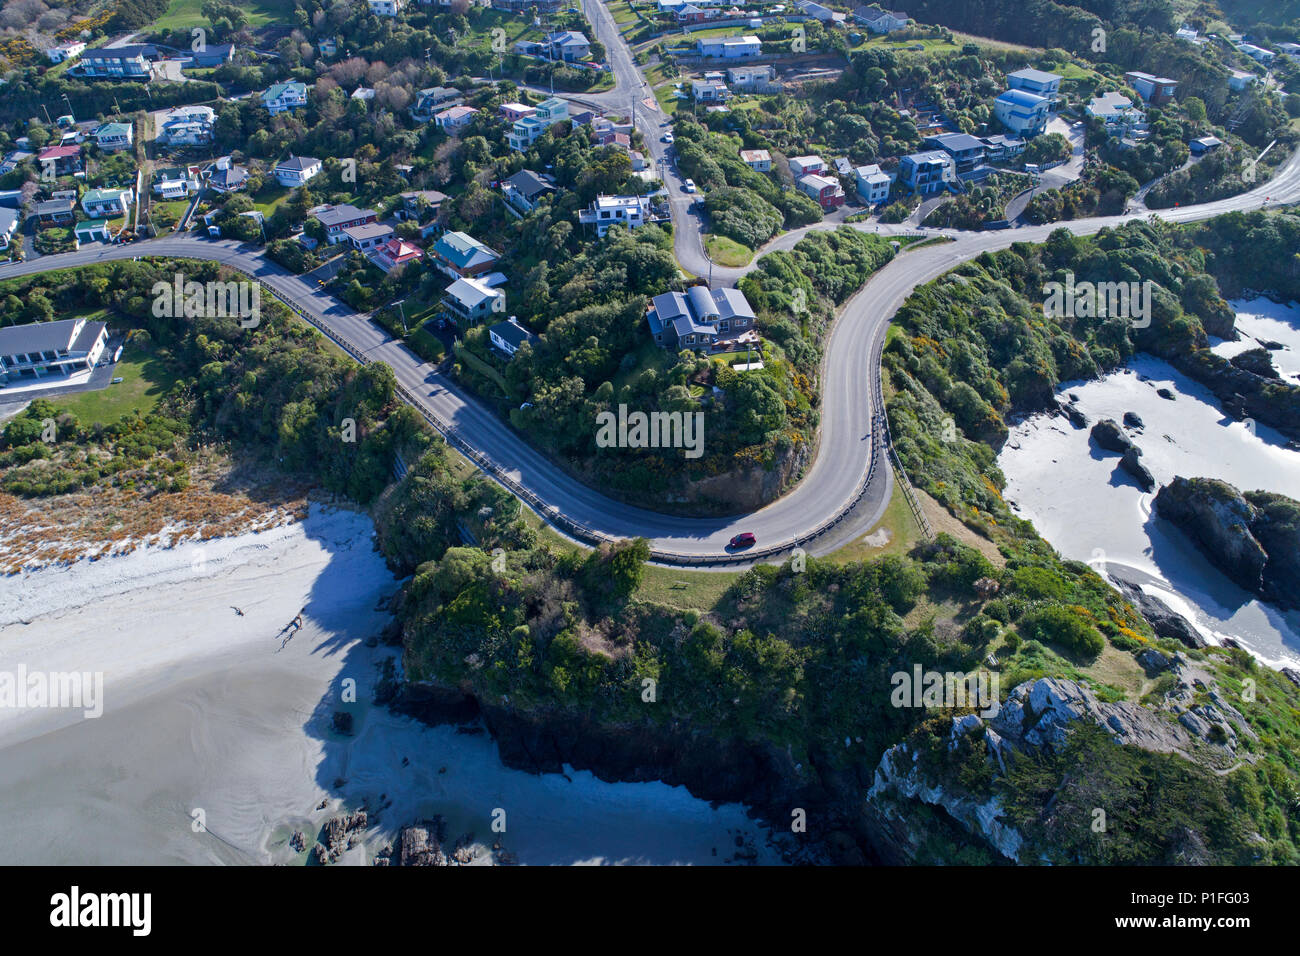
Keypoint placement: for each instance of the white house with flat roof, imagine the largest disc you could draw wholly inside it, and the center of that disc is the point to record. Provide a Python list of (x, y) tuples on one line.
[(606, 211), (41, 350), (730, 48)]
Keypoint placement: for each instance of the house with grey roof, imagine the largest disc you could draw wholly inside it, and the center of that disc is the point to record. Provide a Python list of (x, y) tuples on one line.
[(41, 350), (717, 320), (524, 190)]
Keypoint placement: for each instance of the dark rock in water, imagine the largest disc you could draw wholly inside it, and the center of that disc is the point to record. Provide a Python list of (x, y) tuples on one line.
[(1256, 362), (1166, 394), (1232, 643), (419, 844), (1134, 467), (1075, 417), (1253, 538), (1271, 345), (1133, 420), (1292, 675), (1164, 621), (342, 722), (1072, 396), (340, 834), (1108, 435), (297, 841)]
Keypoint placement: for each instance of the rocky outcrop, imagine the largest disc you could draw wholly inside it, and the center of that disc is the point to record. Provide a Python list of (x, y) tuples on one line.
[(1256, 362), (418, 844), (1164, 621), (1109, 435), (338, 835), (1040, 713), (1243, 393), (1254, 538)]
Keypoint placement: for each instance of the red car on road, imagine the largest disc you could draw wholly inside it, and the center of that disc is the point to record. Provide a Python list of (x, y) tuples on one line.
[(743, 540)]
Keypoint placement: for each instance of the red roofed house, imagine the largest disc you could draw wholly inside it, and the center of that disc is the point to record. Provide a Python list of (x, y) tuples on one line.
[(65, 159), (396, 252)]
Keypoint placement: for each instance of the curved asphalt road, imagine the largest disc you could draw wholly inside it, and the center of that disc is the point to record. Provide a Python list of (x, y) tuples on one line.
[(850, 381)]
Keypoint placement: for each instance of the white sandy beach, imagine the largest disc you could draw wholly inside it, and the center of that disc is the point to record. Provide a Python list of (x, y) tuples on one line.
[(1090, 510), (208, 710)]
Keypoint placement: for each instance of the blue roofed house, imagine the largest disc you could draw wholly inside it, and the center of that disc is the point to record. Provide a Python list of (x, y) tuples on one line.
[(568, 46), (717, 320), (966, 151), (1024, 113), (526, 131), (111, 202), (1039, 82), (113, 136)]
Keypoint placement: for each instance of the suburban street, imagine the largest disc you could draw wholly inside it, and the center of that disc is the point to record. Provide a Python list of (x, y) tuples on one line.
[(851, 374)]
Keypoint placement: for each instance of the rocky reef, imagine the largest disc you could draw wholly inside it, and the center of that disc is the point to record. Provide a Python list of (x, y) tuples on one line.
[(1252, 537)]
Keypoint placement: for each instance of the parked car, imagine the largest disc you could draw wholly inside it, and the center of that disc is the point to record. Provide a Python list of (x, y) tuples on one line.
[(689, 185), (745, 539), (667, 138)]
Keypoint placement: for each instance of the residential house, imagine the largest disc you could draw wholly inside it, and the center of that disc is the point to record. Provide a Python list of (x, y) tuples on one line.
[(524, 190), (335, 220), (568, 46), (929, 172), (1257, 53), (1186, 33), (1204, 144), (212, 55), (285, 96), (999, 147), (606, 211), (1039, 82), (1239, 80), (759, 160), (827, 191), (516, 111), (130, 62), (395, 253), (710, 91), (880, 21), (15, 158), (729, 48), (751, 76), (327, 47), (363, 94), (1153, 89), (702, 318), (690, 13), (1022, 112), (459, 254), (966, 151), (8, 226), (65, 51), (529, 48), (805, 165), (1289, 49), (186, 126), (224, 176), (433, 99), (297, 170), (527, 6), (508, 336), (526, 131), (93, 230), (385, 8), (819, 12), (63, 160), (422, 205), (115, 136), (873, 184), (368, 236), (110, 203), (451, 121), (176, 182), (40, 350), (1117, 111), (469, 300), (55, 211)]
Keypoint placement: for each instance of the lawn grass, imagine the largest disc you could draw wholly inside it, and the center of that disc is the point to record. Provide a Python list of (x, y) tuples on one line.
[(895, 533), (687, 590), (145, 381), (185, 14), (727, 252)]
